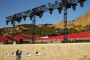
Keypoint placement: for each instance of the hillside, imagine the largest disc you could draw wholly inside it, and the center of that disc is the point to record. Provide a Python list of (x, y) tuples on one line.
[(79, 23)]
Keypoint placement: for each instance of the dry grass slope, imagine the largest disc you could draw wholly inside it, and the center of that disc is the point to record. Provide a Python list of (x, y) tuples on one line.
[(83, 21)]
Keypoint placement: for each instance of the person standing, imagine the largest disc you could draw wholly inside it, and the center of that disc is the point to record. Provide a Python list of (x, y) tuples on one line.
[(18, 55)]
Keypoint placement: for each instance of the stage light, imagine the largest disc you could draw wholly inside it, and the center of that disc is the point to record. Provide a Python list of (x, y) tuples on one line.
[(40, 14), (74, 6), (14, 17), (19, 20), (19, 17), (56, 2), (68, 5), (40, 10), (50, 9), (33, 12), (7, 22), (31, 16), (81, 2), (65, 1), (60, 8), (24, 15), (12, 22)]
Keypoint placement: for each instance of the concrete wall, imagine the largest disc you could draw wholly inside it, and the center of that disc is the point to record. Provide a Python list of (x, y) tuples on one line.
[(65, 51)]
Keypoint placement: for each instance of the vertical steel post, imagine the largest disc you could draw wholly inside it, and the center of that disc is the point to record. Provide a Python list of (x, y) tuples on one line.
[(13, 31), (34, 27), (65, 25)]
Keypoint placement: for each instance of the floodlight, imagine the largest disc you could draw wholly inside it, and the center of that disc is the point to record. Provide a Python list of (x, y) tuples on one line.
[(68, 5), (14, 17), (18, 17), (31, 16), (65, 1), (74, 6), (7, 22), (81, 2), (60, 8), (50, 8), (12, 22), (19, 20), (24, 15), (40, 14)]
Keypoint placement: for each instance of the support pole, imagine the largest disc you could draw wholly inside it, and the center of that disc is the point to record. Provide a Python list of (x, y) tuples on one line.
[(13, 32), (34, 27), (65, 25)]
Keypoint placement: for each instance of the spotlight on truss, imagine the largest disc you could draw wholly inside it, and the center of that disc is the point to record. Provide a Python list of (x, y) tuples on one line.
[(65, 1), (31, 16), (24, 15), (68, 5), (12, 22), (40, 14), (19, 17), (74, 6), (60, 8), (50, 8), (14, 16), (7, 22), (19, 20), (81, 2)]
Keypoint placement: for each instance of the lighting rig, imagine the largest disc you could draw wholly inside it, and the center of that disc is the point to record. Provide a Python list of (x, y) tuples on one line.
[(38, 11)]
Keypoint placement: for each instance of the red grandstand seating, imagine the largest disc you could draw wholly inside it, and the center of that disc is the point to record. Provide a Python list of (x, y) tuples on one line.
[(2, 38), (17, 37), (69, 36)]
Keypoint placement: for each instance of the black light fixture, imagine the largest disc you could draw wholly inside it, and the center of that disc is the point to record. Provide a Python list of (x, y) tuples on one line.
[(81, 2), (41, 10), (24, 15), (31, 16), (40, 14), (19, 17), (33, 12), (60, 8), (50, 8), (68, 5), (74, 6), (65, 1), (7, 22), (14, 16), (19, 20), (12, 22)]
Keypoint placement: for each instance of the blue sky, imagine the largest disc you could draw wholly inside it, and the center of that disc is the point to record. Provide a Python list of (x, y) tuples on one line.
[(7, 7)]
